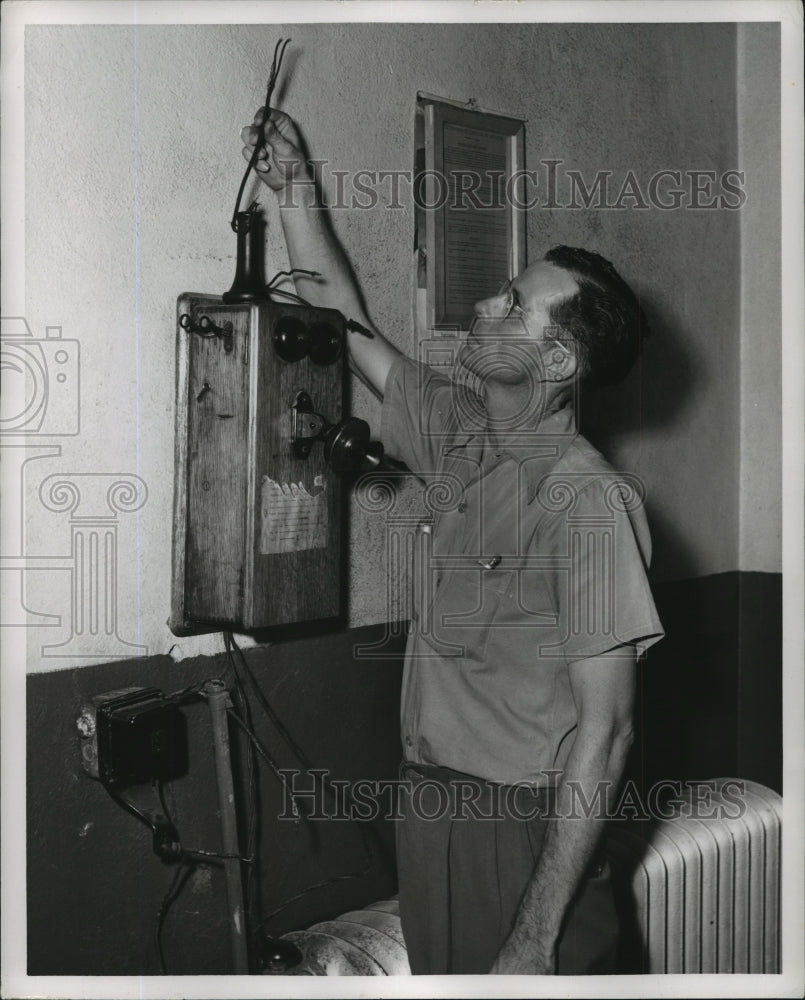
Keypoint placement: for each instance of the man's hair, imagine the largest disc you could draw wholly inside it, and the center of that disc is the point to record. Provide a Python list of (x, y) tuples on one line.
[(603, 319)]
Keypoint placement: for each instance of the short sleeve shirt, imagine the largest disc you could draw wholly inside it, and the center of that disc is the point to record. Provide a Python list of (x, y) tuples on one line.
[(529, 560)]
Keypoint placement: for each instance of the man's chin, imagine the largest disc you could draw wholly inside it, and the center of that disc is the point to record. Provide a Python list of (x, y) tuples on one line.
[(490, 362), (483, 357), (472, 352)]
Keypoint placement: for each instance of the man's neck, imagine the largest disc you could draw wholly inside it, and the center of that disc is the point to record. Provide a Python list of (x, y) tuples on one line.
[(513, 409)]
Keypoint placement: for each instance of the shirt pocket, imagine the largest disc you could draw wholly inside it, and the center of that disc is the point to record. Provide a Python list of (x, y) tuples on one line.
[(526, 617), (531, 591), (465, 609)]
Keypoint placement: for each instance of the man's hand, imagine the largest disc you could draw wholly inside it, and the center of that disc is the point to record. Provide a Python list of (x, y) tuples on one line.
[(603, 688), (312, 245), (522, 957), (280, 160)]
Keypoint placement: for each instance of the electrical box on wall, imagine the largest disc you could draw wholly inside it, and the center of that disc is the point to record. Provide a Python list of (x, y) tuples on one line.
[(258, 525), (132, 736)]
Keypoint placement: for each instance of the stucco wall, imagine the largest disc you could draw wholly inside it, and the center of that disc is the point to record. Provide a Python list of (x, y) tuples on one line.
[(132, 165)]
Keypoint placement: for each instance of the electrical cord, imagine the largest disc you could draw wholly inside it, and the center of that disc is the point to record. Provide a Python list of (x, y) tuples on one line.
[(292, 745), (351, 324), (180, 877), (318, 885), (309, 889), (258, 745), (243, 708), (166, 838), (181, 851), (198, 851), (188, 859), (279, 52), (304, 760), (252, 874), (290, 273), (290, 295), (184, 695), (129, 807)]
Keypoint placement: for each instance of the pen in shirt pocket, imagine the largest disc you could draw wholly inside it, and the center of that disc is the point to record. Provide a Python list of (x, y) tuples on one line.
[(489, 563)]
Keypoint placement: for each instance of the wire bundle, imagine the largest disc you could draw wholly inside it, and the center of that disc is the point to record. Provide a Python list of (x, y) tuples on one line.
[(279, 52)]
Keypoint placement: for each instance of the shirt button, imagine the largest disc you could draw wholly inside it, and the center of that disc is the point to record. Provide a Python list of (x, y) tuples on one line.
[(462, 506)]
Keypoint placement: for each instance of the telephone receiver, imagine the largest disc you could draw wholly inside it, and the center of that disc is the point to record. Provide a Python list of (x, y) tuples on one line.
[(348, 447)]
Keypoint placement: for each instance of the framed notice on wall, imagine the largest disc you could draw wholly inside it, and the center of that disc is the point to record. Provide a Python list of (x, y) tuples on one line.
[(470, 232)]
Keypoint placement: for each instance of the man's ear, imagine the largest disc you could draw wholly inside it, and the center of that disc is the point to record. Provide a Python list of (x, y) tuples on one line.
[(561, 363)]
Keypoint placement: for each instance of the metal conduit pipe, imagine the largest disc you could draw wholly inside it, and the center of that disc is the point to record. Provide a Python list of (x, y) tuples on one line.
[(218, 702)]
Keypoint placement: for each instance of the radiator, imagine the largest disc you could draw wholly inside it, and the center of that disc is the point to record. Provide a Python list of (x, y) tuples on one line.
[(694, 894), (702, 894)]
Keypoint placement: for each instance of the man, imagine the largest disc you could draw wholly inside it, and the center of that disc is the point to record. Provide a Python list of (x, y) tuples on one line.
[(532, 608)]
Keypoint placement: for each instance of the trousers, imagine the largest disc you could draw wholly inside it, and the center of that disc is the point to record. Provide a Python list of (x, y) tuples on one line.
[(463, 867)]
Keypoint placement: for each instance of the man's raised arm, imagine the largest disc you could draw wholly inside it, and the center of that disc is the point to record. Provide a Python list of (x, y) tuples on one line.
[(311, 242)]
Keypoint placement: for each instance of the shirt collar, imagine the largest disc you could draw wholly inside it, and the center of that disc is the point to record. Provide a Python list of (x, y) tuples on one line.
[(538, 450)]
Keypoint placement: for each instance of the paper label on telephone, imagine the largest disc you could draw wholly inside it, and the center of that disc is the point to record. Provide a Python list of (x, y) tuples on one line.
[(291, 519)]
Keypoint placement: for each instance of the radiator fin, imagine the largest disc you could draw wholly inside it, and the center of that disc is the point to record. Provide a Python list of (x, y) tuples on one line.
[(700, 888)]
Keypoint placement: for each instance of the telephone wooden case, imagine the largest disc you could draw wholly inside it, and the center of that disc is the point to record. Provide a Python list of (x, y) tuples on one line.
[(257, 530)]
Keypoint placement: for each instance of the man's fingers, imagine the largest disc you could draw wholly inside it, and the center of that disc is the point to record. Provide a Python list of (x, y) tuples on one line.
[(278, 147), (261, 163), (262, 152), (249, 135), (271, 133), (280, 144), (275, 116)]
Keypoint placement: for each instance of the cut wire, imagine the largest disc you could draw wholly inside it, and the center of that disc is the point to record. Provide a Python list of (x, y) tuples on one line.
[(257, 744), (196, 851), (309, 889), (279, 52), (303, 759), (289, 295), (290, 742), (130, 807), (290, 273), (180, 877), (252, 874)]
